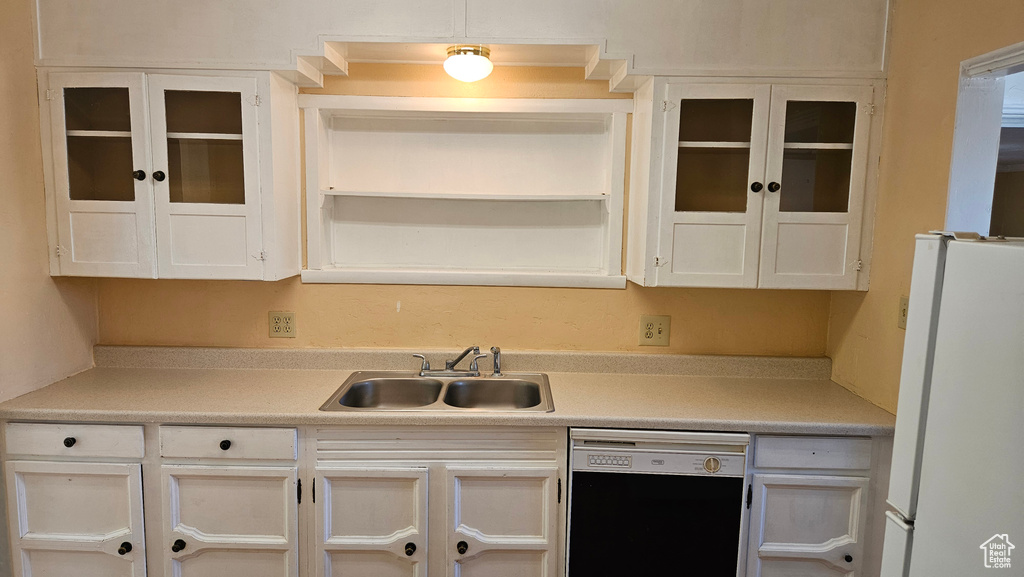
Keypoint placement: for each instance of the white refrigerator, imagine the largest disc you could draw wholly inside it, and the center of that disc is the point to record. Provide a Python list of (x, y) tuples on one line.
[(957, 486)]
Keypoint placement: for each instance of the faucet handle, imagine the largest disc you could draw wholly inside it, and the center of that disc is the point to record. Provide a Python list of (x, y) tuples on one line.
[(473, 368), (425, 365)]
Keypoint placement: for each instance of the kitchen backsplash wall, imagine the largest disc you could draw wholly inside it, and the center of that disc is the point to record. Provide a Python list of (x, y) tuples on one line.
[(234, 314), (930, 39)]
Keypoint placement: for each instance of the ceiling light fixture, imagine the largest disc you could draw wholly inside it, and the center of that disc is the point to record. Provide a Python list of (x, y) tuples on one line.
[(468, 63)]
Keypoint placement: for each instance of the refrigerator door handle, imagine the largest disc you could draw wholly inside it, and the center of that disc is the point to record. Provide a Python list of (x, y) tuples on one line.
[(899, 540)]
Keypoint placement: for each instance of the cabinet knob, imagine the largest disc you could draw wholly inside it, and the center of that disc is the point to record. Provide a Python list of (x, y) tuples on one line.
[(225, 445), (139, 175), (774, 187), (125, 548), (178, 545), (70, 442), (848, 558), (756, 187), (410, 548), (159, 176), (462, 547)]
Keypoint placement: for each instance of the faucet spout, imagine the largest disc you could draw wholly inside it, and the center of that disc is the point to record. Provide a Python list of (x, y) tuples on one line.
[(450, 365)]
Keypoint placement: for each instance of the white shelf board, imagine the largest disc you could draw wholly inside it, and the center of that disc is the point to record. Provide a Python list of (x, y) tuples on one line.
[(467, 196), (203, 136), (818, 146), (512, 277), (712, 144), (101, 133), (476, 107)]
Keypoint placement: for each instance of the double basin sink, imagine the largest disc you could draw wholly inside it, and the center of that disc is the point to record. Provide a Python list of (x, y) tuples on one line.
[(403, 391)]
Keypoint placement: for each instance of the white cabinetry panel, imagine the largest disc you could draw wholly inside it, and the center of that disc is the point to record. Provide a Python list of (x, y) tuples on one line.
[(75, 518)]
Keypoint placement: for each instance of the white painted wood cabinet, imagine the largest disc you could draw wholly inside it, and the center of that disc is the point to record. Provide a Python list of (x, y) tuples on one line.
[(492, 191), (750, 185), (456, 503), (811, 506), (171, 176)]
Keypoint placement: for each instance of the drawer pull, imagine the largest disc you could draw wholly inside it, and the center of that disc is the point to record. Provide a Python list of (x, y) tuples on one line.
[(225, 445), (410, 548), (178, 545), (125, 548), (848, 558), (70, 442), (462, 547)]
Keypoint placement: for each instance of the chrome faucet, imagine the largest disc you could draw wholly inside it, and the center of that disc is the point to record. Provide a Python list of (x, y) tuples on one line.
[(449, 365)]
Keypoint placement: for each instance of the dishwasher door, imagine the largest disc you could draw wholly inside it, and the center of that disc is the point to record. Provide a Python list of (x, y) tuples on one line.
[(644, 524)]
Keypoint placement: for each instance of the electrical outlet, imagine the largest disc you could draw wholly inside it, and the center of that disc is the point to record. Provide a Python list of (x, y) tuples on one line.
[(282, 325), (901, 319), (654, 330)]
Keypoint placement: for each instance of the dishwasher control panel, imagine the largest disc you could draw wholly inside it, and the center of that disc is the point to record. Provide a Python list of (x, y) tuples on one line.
[(669, 463)]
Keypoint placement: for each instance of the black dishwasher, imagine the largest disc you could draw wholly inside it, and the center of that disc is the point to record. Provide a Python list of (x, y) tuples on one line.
[(655, 503)]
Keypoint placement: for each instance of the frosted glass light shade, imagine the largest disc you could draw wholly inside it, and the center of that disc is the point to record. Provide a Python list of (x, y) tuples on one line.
[(468, 63)]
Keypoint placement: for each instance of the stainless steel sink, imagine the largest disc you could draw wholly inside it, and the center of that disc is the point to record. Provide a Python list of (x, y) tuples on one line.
[(402, 391)]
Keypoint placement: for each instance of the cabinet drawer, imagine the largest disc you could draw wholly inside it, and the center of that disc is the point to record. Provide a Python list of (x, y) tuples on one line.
[(227, 443), (71, 440), (771, 452)]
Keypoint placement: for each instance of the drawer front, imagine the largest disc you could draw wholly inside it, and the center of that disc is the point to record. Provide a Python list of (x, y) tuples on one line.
[(72, 440), (782, 452), (227, 443)]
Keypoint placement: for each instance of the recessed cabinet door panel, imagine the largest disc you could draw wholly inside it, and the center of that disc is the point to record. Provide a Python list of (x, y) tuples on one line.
[(230, 521), (208, 195), (505, 520), (72, 519), (99, 138), (372, 522), (807, 525), (816, 173), (714, 157)]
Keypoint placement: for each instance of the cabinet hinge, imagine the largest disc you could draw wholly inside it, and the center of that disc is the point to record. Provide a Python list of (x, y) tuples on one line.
[(858, 265), (298, 490), (254, 100), (667, 105), (559, 490), (61, 251), (870, 109), (750, 494), (51, 94), (262, 255), (658, 261)]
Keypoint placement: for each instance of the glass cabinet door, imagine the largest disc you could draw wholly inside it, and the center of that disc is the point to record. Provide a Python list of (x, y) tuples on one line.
[(715, 138), (101, 186), (816, 168), (207, 183)]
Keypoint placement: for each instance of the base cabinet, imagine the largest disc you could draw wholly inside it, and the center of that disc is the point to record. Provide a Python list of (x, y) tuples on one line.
[(82, 519), (222, 520)]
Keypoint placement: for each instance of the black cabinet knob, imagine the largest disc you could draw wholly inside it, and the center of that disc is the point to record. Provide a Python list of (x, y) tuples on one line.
[(410, 548), (848, 558), (159, 176), (462, 547), (125, 548), (225, 445), (756, 187), (139, 175), (70, 442), (178, 545), (774, 187)]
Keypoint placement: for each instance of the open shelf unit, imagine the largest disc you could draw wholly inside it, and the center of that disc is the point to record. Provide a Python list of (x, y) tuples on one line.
[(509, 192)]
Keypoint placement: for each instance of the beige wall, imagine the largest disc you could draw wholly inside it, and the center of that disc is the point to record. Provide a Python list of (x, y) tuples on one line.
[(234, 314), (930, 38), (49, 324)]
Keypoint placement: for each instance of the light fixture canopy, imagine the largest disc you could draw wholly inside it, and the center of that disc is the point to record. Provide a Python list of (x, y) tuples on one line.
[(468, 63)]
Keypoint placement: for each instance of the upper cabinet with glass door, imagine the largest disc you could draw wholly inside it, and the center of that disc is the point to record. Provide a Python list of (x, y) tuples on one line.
[(757, 185), (194, 189)]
